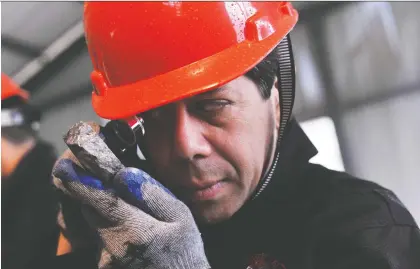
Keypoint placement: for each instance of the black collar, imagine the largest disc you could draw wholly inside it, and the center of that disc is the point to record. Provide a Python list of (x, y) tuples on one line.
[(295, 149)]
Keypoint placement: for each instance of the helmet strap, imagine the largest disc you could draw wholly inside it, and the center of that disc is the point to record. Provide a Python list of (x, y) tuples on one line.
[(286, 86), (286, 83)]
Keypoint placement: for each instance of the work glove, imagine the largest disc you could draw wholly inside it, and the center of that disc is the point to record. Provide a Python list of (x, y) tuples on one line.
[(82, 238), (141, 224)]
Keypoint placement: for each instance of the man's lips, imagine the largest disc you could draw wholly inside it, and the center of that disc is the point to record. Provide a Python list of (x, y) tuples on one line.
[(205, 191)]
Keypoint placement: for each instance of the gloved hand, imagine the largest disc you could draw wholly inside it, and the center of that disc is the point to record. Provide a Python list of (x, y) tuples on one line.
[(73, 226), (140, 223)]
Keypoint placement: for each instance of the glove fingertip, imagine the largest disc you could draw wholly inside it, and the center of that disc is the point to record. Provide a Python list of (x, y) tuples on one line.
[(134, 179), (166, 190), (67, 171), (131, 179), (64, 170), (91, 181)]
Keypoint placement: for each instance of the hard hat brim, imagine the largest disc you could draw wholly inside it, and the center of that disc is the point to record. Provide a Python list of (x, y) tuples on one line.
[(22, 94), (10, 89)]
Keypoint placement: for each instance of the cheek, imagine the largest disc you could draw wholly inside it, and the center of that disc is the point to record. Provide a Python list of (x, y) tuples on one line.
[(157, 149), (242, 144)]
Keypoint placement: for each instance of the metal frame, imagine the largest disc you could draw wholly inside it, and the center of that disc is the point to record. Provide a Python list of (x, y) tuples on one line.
[(53, 59), (19, 47)]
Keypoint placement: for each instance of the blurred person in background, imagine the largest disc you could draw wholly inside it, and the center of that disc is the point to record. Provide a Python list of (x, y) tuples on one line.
[(28, 200), (234, 188)]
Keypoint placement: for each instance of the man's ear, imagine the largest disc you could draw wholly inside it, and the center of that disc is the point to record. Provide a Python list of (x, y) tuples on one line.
[(275, 95)]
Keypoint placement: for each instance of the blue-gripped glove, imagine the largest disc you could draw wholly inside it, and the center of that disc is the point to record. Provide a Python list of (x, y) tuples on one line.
[(141, 224)]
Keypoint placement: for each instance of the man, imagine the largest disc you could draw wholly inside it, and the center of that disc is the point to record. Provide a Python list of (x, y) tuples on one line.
[(214, 84), (29, 203)]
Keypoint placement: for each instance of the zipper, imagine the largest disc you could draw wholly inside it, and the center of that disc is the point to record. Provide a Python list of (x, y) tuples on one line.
[(268, 178)]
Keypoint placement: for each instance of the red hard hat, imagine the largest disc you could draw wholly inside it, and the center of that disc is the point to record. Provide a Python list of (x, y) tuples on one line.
[(10, 89), (148, 54)]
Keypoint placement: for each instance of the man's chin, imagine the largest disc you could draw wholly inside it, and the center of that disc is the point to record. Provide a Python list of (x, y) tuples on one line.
[(210, 219), (211, 212)]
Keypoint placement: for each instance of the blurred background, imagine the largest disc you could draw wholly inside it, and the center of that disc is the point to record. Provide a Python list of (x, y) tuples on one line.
[(358, 81)]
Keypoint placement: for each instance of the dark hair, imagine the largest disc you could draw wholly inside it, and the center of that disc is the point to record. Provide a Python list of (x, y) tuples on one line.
[(264, 73)]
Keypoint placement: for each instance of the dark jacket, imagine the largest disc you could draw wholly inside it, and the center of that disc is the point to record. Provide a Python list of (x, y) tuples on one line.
[(310, 217), (29, 208)]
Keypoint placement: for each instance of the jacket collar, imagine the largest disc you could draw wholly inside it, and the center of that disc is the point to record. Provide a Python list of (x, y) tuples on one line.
[(295, 149)]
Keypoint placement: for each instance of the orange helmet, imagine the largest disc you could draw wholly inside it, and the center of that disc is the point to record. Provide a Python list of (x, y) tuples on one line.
[(148, 54), (11, 89)]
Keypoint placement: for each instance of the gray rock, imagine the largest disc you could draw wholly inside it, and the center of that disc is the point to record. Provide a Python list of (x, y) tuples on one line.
[(92, 152)]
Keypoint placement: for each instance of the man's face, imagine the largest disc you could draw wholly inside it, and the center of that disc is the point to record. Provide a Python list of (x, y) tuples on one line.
[(212, 149)]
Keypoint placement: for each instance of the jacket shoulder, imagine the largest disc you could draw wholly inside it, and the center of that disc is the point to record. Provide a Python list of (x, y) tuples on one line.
[(359, 223), (351, 201)]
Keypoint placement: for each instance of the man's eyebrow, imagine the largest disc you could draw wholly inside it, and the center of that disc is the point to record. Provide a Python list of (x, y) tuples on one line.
[(214, 91)]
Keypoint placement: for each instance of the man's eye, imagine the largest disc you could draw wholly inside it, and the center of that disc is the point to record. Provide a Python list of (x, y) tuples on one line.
[(211, 105)]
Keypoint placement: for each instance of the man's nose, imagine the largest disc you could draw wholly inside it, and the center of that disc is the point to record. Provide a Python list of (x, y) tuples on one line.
[(189, 141)]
